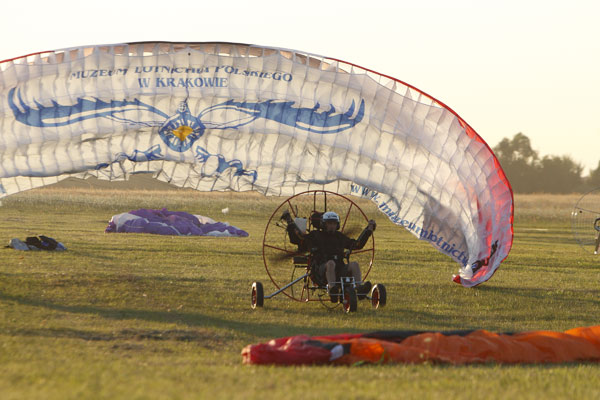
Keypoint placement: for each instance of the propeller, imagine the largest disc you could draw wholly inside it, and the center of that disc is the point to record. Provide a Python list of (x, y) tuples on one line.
[(284, 255), (352, 231)]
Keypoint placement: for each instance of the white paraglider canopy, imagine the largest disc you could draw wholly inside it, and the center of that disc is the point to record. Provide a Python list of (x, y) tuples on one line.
[(221, 116)]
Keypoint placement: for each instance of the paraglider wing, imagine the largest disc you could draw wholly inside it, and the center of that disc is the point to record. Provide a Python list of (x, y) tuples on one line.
[(218, 116)]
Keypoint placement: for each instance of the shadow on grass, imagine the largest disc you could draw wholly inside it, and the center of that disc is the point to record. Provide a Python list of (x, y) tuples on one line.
[(86, 280), (568, 298), (426, 320), (190, 319), (402, 318), (123, 334), (557, 294), (540, 240)]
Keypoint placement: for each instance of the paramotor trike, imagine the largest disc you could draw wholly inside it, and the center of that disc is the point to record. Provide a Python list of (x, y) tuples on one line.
[(290, 267)]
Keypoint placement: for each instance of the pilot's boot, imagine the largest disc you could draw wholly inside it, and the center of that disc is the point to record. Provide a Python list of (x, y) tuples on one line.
[(363, 290), (334, 292)]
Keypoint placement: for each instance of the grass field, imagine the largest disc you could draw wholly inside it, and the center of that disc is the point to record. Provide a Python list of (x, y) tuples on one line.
[(142, 316)]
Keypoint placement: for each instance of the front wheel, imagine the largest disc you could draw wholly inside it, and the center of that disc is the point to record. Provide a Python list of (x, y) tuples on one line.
[(258, 295), (378, 296), (350, 300)]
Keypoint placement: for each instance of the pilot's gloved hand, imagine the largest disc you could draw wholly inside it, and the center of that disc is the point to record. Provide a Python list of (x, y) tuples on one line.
[(286, 216), (372, 225)]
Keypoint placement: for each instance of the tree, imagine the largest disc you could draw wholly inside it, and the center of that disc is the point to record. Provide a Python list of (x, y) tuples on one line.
[(594, 178), (520, 163), (527, 173), (560, 174)]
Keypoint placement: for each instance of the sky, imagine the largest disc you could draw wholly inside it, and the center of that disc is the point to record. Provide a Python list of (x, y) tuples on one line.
[(504, 66)]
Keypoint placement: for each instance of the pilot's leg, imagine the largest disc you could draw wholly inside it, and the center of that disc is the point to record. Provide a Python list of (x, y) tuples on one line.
[(330, 272), (355, 271), (362, 288), (333, 288)]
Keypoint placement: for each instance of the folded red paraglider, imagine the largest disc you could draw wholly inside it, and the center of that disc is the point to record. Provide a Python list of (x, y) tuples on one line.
[(459, 347)]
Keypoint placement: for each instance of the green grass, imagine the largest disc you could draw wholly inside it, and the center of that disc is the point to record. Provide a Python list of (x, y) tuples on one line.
[(145, 316)]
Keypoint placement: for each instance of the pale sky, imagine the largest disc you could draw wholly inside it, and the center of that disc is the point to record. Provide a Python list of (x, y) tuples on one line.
[(504, 66)]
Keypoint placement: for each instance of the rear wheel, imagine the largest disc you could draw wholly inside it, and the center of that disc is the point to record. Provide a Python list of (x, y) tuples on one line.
[(378, 296), (258, 295), (350, 301)]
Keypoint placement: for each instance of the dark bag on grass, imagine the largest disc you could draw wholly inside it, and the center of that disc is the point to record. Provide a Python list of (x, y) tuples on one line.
[(42, 242)]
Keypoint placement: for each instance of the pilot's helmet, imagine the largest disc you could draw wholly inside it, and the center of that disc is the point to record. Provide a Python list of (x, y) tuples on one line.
[(331, 216)]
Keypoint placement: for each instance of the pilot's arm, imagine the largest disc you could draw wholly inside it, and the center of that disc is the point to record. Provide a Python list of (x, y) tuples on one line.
[(365, 235), (296, 236)]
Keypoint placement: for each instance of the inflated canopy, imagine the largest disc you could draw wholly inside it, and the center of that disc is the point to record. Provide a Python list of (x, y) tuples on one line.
[(221, 116)]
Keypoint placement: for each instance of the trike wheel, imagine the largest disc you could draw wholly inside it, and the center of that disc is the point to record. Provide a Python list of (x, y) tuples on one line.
[(258, 295), (378, 296), (350, 301)]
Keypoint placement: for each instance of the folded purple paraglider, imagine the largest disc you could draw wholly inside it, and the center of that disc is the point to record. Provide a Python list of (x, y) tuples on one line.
[(165, 222)]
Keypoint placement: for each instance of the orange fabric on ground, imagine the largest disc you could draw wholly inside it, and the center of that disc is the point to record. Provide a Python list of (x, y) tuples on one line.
[(479, 346)]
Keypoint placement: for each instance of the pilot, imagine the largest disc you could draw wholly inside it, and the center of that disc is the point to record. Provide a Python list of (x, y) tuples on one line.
[(327, 247)]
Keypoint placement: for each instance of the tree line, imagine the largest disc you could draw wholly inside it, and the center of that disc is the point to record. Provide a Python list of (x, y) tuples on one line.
[(527, 172)]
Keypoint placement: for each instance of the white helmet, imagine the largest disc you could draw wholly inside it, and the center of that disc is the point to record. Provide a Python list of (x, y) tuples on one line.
[(331, 216)]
